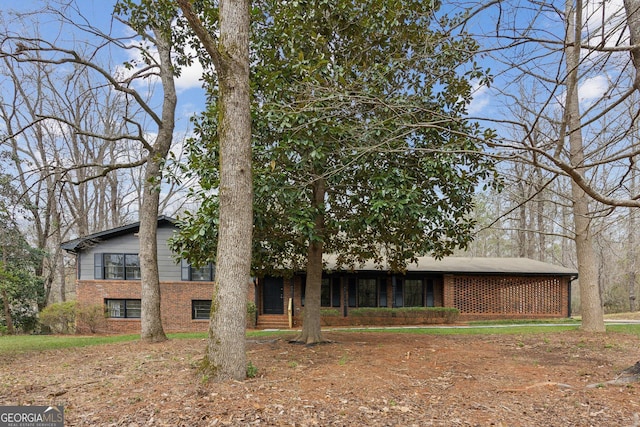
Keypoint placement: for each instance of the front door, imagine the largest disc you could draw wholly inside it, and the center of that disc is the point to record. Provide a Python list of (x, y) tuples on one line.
[(273, 295)]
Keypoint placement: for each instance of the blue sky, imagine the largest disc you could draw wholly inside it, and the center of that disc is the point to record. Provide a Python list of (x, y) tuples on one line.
[(99, 13), (548, 26), (191, 96)]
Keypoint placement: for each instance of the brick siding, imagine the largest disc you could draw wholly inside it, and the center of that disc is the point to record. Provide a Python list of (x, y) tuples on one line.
[(175, 303), (507, 297), (478, 296)]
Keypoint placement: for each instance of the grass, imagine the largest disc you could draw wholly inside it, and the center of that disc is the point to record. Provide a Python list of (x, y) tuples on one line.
[(11, 344), (471, 330), (563, 320), (23, 343), (27, 343), (625, 316)]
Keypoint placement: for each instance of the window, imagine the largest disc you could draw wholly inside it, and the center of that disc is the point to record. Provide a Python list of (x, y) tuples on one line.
[(116, 266), (367, 293), (113, 266), (206, 273), (200, 309), (132, 267), (123, 308), (335, 292), (325, 293), (409, 293), (383, 294), (352, 292), (330, 292), (430, 293), (413, 293)]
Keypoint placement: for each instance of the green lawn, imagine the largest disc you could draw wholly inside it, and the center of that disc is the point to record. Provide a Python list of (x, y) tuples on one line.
[(25, 343)]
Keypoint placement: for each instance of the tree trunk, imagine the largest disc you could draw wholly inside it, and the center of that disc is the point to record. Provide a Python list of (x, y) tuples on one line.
[(151, 321), (226, 355), (55, 266), (632, 248), (522, 220), (311, 333), (632, 11), (5, 299), (590, 298), (7, 312)]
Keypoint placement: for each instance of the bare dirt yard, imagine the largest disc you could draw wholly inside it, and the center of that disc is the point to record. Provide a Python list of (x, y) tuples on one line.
[(361, 378)]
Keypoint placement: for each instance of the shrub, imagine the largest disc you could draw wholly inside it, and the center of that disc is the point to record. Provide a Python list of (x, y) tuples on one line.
[(252, 370), (450, 315), (331, 312), (24, 315), (371, 312), (91, 317), (59, 317)]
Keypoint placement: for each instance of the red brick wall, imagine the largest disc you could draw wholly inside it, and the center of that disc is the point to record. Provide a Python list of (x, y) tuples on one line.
[(480, 297), (175, 303), (494, 297)]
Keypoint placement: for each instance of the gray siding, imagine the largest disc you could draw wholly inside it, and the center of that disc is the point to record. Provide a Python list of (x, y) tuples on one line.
[(168, 268)]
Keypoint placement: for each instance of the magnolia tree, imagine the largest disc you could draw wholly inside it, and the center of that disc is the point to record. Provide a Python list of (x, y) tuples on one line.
[(360, 143)]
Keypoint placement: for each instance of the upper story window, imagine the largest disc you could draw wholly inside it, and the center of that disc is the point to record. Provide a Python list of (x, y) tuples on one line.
[(206, 273), (112, 266)]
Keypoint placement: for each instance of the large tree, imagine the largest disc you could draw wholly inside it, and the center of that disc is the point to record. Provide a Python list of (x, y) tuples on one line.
[(145, 126), (361, 148), (577, 63), (229, 54)]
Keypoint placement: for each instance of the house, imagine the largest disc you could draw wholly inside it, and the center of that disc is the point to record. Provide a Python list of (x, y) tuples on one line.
[(480, 288), (108, 274)]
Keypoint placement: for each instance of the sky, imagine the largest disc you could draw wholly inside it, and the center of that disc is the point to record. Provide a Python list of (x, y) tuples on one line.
[(487, 100), (596, 12), (191, 96), (98, 13)]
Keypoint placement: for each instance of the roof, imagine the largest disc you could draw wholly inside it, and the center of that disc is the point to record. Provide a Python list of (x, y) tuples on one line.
[(472, 265), (77, 244), (448, 265)]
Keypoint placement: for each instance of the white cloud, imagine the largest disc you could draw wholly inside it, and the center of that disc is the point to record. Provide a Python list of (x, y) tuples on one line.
[(593, 88), (605, 20), (481, 98), (191, 76)]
